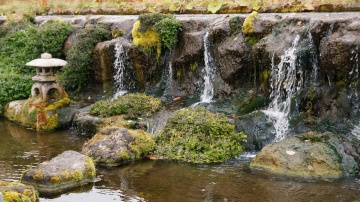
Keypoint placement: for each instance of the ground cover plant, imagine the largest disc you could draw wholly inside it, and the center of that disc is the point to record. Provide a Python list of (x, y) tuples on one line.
[(131, 105), (198, 136)]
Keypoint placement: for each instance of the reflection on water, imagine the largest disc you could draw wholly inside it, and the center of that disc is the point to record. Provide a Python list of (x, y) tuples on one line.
[(160, 181)]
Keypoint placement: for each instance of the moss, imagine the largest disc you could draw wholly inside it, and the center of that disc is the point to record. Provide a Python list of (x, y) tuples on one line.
[(234, 24), (55, 180), (38, 175), (77, 176), (264, 79), (117, 33), (142, 144), (13, 196), (248, 26), (58, 104), (89, 168), (131, 105), (148, 40), (194, 66), (199, 136)]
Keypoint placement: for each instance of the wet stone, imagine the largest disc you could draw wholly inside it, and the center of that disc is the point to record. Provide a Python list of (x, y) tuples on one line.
[(69, 169)]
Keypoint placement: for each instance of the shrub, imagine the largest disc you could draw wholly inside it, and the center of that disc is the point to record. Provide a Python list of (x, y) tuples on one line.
[(132, 105), (167, 29), (76, 75), (199, 136), (20, 44), (156, 30)]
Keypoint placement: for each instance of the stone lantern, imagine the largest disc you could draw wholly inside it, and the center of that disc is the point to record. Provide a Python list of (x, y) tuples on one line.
[(46, 87)]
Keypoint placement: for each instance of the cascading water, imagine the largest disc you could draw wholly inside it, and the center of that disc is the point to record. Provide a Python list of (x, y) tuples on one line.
[(119, 66), (169, 80), (354, 76), (284, 84), (209, 71)]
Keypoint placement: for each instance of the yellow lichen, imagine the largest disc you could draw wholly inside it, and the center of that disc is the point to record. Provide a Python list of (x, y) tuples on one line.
[(248, 26), (38, 175), (77, 176), (55, 180), (147, 40), (89, 168)]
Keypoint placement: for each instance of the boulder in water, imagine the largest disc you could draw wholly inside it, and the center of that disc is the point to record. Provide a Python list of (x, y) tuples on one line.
[(69, 169), (115, 146), (16, 191), (310, 155)]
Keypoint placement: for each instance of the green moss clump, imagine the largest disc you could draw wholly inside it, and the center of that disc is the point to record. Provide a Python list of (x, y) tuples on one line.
[(248, 26), (142, 144), (199, 136), (76, 74), (132, 105), (89, 168), (154, 31), (16, 191), (116, 33), (38, 175), (234, 24), (248, 29)]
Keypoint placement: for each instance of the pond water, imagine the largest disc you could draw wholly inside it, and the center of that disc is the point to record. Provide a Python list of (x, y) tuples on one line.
[(148, 180)]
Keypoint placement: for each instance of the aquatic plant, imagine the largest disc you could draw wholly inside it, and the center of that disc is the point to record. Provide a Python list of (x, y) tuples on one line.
[(199, 136), (131, 105), (76, 75)]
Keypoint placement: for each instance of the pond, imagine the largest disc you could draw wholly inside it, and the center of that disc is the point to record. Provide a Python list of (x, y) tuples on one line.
[(148, 180)]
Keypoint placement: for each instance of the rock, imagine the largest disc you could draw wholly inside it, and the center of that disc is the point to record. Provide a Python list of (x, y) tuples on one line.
[(69, 169), (259, 129), (339, 53), (16, 191), (104, 58), (115, 146), (85, 123), (232, 54), (310, 154)]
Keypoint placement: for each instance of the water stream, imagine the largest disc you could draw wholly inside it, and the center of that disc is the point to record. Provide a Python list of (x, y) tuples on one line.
[(284, 84), (159, 181), (209, 71), (120, 67)]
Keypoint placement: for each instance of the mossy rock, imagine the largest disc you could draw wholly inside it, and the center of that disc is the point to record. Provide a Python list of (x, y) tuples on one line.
[(114, 146), (199, 136), (322, 155), (130, 105), (69, 169), (16, 191)]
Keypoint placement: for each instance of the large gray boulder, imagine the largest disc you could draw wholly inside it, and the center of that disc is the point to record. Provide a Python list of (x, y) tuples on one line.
[(69, 169), (310, 155)]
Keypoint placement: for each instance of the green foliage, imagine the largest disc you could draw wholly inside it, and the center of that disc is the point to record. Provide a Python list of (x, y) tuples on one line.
[(149, 20), (14, 87), (167, 29), (20, 44), (132, 105), (165, 25), (76, 75), (199, 136), (214, 6)]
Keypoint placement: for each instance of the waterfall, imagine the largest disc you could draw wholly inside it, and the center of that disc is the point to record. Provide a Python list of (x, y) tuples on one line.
[(354, 76), (119, 66), (209, 71), (169, 80), (209, 74), (284, 84)]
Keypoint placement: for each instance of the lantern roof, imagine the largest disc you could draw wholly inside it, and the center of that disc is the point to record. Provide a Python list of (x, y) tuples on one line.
[(46, 60)]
